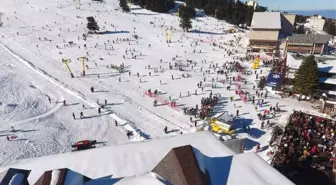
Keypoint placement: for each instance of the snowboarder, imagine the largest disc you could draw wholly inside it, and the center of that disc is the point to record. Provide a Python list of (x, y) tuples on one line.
[(73, 115)]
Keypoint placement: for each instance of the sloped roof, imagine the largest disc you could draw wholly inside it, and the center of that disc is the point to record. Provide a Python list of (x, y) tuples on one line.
[(266, 20), (309, 38), (218, 162), (179, 167), (6, 176), (63, 176)]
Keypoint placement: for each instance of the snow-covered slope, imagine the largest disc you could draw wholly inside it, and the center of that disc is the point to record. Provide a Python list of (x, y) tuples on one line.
[(36, 36), (139, 158)]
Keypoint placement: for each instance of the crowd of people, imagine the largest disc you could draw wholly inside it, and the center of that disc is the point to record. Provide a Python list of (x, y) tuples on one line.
[(307, 142)]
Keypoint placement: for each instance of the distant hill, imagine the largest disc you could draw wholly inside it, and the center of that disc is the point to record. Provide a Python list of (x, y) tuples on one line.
[(325, 13)]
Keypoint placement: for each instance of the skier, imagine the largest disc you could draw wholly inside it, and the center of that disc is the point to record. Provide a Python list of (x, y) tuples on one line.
[(237, 112), (119, 79), (92, 89), (49, 99), (195, 123), (99, 111), (81, 115), (105, 102), (73, 115), (155, 103), (165, 129), (64, 102), (116, 123), (190, 119), (262, 124)]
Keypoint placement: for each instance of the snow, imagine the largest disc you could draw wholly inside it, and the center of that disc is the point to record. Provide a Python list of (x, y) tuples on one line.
[(31, 70), (328, 65), (54, 177), (327, 80), (131, 163)]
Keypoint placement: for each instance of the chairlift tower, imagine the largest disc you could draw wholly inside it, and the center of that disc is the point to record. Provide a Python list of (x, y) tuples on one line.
[(83, 64), (66, 63)]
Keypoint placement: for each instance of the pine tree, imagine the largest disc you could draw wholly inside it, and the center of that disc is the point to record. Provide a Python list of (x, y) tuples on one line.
[(185, 22), (306, 80), (92, 24), (124, 6)]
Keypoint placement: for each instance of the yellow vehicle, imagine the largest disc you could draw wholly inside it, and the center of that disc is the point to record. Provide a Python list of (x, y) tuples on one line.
[(220, 127)]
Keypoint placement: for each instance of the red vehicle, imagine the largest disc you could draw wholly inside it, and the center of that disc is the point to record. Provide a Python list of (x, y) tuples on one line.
[(85, 144)]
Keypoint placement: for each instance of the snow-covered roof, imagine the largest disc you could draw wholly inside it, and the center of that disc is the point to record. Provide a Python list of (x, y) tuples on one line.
[(292, 62), (328, 66), (266, 20), (328, 81), (140, 158)]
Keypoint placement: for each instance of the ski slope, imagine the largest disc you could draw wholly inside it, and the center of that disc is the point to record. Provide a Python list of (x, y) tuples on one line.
[(36, 36)]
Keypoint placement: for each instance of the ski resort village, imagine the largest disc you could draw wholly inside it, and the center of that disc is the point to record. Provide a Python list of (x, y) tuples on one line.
[(164, 92)]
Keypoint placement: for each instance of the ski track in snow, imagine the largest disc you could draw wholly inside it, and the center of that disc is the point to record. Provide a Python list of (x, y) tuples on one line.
[(133, 127)]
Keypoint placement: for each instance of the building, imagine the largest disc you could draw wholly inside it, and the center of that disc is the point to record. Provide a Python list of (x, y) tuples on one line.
[(188, 159), (267, 30), (308, 43), (316, 22), (327, 74)]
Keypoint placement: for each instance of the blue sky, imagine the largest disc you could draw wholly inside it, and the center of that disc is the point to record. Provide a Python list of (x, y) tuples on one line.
[(299, 4)]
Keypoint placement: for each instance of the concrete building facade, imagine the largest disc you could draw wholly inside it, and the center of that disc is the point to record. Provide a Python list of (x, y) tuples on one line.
[(267, 30), (308, 43)]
